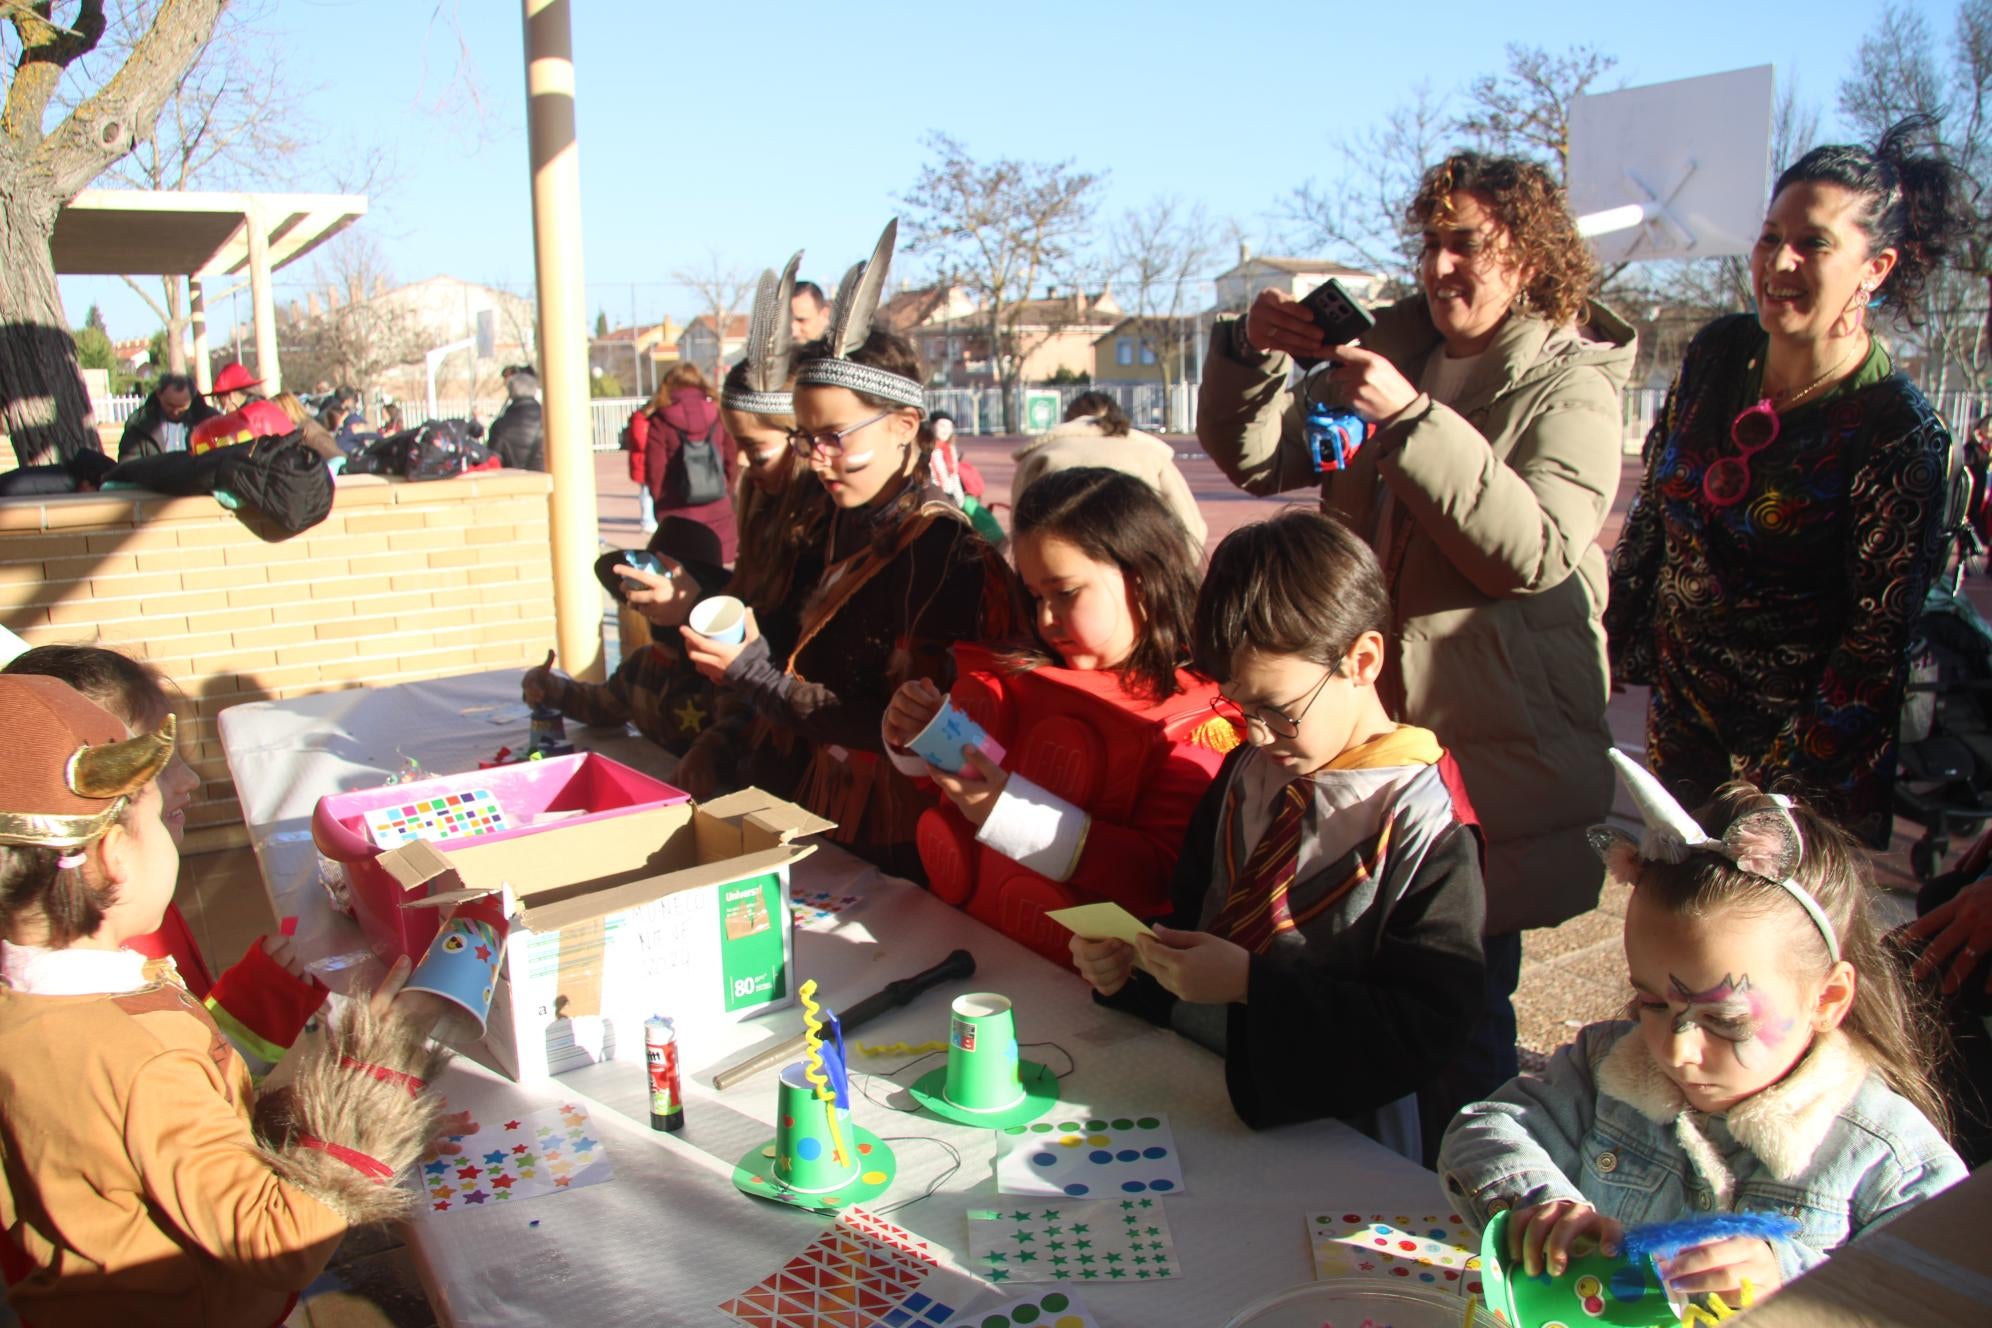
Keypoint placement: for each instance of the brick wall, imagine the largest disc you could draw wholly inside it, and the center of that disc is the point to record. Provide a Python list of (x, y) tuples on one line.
[(402, 581)]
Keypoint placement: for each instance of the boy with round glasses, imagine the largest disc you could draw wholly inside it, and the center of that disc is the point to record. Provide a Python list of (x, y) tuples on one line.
[(1328, 898)]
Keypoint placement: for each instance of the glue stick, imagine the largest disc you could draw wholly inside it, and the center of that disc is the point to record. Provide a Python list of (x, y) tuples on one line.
[(660, 1054)]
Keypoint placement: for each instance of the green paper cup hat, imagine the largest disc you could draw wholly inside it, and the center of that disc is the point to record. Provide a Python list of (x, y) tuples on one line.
[(818, 1159), (1593, 1289), (985, 1082)]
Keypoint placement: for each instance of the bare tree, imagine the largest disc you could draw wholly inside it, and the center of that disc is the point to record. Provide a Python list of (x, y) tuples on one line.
[(1160, 253), (364, 330), (42, 401), (724, 292), (1898, 71), (999, 229), (1524, 110), (1359, 216)]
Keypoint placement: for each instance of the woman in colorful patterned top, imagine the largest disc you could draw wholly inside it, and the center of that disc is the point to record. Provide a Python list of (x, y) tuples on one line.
[(1791, 516)]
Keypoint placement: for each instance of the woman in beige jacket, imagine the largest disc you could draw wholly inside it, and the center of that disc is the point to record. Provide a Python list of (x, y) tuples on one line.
[(1496, 395), (1096, 432)]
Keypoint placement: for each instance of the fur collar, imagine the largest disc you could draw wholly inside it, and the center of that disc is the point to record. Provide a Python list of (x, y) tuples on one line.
[(1783, 1125)]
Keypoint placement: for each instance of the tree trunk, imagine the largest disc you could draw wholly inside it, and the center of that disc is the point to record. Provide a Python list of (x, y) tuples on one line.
[(176, 324), (43, 405)]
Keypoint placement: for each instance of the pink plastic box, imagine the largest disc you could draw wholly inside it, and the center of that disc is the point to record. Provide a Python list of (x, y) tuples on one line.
[(538, 797)]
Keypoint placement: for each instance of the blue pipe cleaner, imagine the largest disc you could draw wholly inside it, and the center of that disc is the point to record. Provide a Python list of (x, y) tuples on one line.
[(835, 1064), (1664, 1240)]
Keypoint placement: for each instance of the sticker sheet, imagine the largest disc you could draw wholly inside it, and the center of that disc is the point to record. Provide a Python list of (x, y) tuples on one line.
[(1436, 1250), (817, 910), (1109, 1240), (1047, 1309), (439, 816), (864, 1272), (1090, 1159), (506, 1161)]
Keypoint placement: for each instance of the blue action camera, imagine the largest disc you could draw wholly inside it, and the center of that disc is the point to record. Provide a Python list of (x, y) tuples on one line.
[(1334, 434)]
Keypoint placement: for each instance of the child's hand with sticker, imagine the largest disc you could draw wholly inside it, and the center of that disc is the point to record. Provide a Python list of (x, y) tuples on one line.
[(1541, 1235)]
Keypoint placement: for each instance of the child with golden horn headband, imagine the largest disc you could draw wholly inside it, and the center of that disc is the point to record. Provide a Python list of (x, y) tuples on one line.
[(135, 1187)]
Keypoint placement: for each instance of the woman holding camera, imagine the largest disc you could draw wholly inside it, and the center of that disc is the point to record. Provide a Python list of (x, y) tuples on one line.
[(1792, 513), (1495, 396)]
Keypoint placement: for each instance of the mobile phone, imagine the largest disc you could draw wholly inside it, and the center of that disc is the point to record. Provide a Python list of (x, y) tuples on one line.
[(1337, 314)]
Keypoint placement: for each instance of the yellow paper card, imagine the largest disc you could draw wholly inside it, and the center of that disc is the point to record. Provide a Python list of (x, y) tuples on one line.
[(1100, 922)]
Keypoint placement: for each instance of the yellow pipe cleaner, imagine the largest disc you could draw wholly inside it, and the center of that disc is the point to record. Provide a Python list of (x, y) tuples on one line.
[(902, 1048), (813, 1071)]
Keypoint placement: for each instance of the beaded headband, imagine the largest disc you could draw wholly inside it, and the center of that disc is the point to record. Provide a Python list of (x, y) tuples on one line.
[(857, 302), (770, 348), (1764, 843)]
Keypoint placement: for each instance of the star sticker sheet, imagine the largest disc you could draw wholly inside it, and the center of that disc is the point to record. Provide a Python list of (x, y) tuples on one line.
[(1108, 1240), (864, 1272), (506, 1161), (1435, 1250), (1090, 1159), (1047, 1309)]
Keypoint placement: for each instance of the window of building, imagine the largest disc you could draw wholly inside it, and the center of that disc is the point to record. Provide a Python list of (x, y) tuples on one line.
[(1123, 351), (1147, 354)]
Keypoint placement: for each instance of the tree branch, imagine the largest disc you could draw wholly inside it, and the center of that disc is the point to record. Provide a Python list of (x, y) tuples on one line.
[(47, 49)]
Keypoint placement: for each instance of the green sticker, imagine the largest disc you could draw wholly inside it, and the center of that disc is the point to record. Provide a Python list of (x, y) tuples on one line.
[(1056, 1301)]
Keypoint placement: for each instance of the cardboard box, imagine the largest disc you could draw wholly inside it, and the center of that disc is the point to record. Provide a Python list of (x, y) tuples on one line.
[(679, 910), (1929, 1268), (552, 798)]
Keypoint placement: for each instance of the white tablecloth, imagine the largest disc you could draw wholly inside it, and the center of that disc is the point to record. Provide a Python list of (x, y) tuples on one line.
[(669, 1237)]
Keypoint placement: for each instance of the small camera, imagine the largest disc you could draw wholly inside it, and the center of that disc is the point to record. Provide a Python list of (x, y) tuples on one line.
[(1334, 434), (643, 561)]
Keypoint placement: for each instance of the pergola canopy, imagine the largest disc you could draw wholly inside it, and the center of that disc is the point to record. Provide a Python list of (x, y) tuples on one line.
[(144, 232)]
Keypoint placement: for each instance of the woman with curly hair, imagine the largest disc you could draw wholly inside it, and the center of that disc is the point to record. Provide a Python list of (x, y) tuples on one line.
[(1495, 395), (1791, 516)]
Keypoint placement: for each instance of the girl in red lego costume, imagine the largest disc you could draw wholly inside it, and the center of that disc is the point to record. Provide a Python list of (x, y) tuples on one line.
[(1109, 740)]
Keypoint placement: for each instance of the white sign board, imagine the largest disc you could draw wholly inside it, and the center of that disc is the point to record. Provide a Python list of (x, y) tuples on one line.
[(1673, 170)]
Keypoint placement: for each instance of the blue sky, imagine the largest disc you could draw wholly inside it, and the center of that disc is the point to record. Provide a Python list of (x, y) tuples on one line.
[(750, 130)]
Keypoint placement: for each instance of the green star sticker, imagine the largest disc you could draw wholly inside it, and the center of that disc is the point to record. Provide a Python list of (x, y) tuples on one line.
[(1155, 1231), (1020, 1217), (1059, 1261), (997, 1256), (998, 1275), (1051, 1214), (1088, 1274), (1053, 1230), (1085, 1259), (1058, 1244), (1116, 1272), (1080, 1228), (1147, 1203), (1025, 1256), (1127, 1203), (1143, 1273), (1113, 1258), (1141, 1258), (1084, 1244)]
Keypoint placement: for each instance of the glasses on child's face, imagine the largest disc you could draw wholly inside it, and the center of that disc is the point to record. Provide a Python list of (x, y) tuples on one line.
[(1727, 480), (1273, 720), (830, 441)]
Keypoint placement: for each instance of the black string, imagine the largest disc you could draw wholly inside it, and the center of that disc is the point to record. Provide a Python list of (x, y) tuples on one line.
[(934, 1185), (1071, 1061)]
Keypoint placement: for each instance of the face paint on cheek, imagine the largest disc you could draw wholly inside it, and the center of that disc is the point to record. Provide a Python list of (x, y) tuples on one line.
[(1727, 1011), (856, 461)]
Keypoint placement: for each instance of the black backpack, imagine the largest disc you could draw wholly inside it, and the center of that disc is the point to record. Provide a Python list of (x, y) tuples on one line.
[(281, 478), (695, 476)]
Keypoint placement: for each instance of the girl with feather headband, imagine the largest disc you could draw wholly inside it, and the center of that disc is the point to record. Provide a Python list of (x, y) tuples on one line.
[(905, 577), (134, 1186), (1771, 1060)]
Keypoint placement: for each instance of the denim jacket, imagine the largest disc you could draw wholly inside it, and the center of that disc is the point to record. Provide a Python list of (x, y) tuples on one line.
[(1830, 1144)]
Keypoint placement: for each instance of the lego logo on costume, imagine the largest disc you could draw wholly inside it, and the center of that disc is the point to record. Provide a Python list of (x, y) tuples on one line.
[(962, 1034)]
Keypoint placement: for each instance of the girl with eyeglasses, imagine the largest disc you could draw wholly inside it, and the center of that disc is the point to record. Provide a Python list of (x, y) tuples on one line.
[(1328, 898), (1791, 518), (1100, 706), (905, 577)]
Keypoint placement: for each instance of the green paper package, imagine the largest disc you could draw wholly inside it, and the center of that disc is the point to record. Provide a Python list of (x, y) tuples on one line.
[(681, 908)]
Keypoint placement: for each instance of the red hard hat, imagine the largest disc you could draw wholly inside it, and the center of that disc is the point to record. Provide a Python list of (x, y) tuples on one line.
[(234, 378)]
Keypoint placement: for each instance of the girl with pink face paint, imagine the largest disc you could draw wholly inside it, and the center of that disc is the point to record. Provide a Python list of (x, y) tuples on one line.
[(1773, 1059)]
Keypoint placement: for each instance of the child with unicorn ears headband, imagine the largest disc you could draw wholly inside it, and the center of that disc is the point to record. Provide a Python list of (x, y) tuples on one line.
[(1770, 1061)]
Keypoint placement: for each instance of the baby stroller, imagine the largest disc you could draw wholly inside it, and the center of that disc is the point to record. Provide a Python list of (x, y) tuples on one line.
[(1945, 779)]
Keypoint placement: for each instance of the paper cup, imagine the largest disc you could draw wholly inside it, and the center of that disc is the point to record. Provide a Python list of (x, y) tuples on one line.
[(982, 1054), (940, 743), (722, 618), (805, 1158), (461, 965)]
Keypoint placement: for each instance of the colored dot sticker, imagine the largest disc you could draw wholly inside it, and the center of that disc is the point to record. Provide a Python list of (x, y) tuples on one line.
[(873, 1178), (1098, 1140), (1096, 1125), (1075, 1189), (1163, 1184), (1134, 1186), (1056, 1301), (1044, 1159), (809, 1149), (1123, 1124), (1100, 1155), (1148, 1122), (1024, 1314), (1129, 1155), (1069, 1126), (1071, 1141), (1152, 1153), (1588, 1286), (1042, 1127)]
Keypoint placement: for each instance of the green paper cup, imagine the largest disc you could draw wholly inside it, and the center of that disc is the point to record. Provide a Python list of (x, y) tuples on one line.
[(982, 1054), (805, 1158), (1610, 1292)]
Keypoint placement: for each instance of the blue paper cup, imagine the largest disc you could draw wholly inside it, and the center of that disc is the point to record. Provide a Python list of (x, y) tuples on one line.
[(721, 618), (461, 964)]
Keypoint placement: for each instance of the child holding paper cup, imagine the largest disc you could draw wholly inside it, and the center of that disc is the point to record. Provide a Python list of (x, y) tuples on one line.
[(1773, 1058), (1113, 584), (134, 1187), (1328, 898)]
